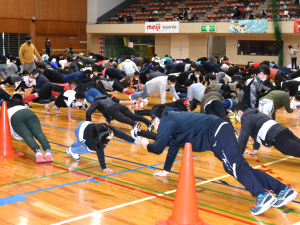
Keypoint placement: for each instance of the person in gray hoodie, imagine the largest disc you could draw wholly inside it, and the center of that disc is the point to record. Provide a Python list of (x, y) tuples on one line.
[(129, 67)]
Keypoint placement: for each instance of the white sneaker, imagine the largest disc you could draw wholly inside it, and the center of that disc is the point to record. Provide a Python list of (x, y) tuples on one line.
[(2, 85), (130, 98), (15, 92), (22, 92), (75, 156), (145, 101), (134, 136)]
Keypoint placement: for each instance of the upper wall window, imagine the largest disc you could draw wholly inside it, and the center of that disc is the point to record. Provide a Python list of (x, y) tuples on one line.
[(268, 48)]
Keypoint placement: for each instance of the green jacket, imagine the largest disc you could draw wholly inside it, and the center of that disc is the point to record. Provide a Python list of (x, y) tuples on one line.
[(280, 99), (209, 96)]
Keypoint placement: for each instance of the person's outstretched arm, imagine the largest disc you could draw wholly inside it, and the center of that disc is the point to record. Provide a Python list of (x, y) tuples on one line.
[(70, 114)]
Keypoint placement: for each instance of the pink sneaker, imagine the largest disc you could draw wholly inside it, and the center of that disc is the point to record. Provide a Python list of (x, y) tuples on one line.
[(57, 110), (39, 158), (48, 156), (47, 109)]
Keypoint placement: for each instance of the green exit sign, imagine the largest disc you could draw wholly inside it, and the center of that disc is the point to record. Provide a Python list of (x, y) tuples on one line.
[(208, 28)]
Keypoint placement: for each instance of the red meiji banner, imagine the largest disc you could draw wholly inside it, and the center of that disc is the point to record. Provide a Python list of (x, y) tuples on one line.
[(162, 27)]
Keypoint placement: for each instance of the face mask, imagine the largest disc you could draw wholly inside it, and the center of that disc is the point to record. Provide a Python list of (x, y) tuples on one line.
[(136, 78), (264, 78), (29, 42), (172, 85), (238, 118), (197, 76)]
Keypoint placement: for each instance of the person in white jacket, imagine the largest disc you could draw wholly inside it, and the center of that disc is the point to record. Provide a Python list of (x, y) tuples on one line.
[(129, 67), (158, 85), (293, 56)]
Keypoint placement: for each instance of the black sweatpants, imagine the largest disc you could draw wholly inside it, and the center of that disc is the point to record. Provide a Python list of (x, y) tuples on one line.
[(216, 108), (4, 95), (287, 143), (143, 112), (45, 91), (117, 86), (7, 80), (147, 134), (180, 88), (22, 85), (224, 145), (122, 114), (294, 63), (281, 76)]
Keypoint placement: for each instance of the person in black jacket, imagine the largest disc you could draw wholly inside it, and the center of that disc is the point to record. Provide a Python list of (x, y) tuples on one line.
[(292, 86), (111, 108), (264, 131), (88, 86), (121, 19), (129, 18), (95, 137), (252, 90), (208, 132), (48, 46), (182, 104)]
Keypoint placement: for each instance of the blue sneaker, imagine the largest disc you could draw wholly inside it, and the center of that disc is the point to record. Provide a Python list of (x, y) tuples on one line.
[(263, 203), (285, 196), (75, 156)]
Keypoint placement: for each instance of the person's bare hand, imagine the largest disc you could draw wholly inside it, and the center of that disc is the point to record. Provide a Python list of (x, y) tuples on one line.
[(22, 63), (144, 142), (107, 170), (253, 152), (161, 173), (137, 142), (71, 120)]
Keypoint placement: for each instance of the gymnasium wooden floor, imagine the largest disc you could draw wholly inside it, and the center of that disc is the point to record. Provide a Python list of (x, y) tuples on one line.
[(80, 193)]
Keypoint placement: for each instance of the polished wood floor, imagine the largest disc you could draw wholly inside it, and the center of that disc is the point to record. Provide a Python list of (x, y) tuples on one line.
[(80, 193)]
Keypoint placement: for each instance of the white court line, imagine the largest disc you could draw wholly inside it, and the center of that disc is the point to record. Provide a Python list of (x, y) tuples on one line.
[(151, 197), (298, 223)]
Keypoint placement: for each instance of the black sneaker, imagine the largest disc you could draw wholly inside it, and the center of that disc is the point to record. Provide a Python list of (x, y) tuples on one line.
[(285, 196), (136, 127), (263, 203), (150, 127)]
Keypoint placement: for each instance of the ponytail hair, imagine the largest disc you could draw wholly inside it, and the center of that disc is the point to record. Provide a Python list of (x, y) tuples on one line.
[(100, 133)]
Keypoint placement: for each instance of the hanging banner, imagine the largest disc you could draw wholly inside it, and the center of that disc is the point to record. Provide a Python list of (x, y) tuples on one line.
[(297, 26), (248, 26), (162, 27)]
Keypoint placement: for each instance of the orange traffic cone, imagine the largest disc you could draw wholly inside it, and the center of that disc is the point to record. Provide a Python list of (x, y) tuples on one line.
[(6, 147), (185, 210)]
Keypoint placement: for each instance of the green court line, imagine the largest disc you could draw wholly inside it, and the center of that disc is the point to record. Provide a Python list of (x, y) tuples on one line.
[(284, 209), (36, 178), (123, 182)]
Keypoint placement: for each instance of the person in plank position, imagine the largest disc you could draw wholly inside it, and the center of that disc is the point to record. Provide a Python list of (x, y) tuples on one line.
[(208, 132)]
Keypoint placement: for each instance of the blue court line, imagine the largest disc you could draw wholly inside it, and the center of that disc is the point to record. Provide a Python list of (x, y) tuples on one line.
[(20, 197), (153, 167)]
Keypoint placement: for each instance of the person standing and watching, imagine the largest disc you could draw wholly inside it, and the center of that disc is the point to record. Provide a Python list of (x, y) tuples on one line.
[(48, 46), (27, 53), (293, 56)]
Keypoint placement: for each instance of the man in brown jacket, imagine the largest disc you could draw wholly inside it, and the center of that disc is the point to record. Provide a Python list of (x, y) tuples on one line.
[(26, 55)]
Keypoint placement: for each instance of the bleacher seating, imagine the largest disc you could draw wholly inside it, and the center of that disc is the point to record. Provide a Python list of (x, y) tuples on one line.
[(210, 10)]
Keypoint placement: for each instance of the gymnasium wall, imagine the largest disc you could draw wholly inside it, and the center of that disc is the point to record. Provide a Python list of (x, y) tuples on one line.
[(58, 20), (197, 41)]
